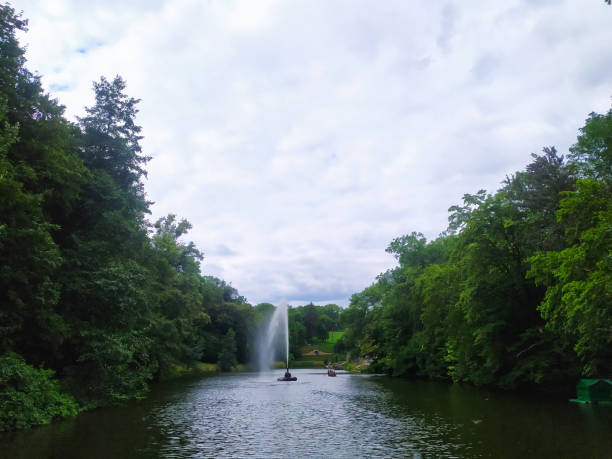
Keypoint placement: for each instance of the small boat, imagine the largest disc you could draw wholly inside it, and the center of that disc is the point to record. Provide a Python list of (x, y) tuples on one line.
[(287, 377), (331, 372)]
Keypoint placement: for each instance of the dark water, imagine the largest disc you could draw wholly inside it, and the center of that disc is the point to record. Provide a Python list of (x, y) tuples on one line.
[(243, 415)]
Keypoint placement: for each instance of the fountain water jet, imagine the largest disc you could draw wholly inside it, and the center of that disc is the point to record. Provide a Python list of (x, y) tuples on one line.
[(278, 328)]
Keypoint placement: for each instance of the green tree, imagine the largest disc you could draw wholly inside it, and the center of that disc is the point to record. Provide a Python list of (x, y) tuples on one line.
[(311, 321), (227, 355), (578, 279), (333, 312), (177, 306), (40, 177), (112, 137), (88, 287), (578, 276), (592, 153), (461, 306), (106, 294)]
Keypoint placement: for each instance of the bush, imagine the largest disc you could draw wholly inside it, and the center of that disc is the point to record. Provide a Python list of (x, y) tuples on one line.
[(29, 396), (350, 367)]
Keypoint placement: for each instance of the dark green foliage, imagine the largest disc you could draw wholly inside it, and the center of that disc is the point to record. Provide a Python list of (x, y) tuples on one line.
[(40, 175), (516, 293), (578, 277), (179, 308), (227, 355), (111, 137), (227, 309), (311, 323), (29, 396), (88, 288)]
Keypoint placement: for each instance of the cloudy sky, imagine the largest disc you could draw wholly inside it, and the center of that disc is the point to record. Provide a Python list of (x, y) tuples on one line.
[(300, 137)]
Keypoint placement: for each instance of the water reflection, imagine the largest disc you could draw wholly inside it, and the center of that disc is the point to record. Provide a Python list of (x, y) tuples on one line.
[(245, 415)]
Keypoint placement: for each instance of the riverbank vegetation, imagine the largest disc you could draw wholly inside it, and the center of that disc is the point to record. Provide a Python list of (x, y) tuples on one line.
[(95, 301), (515, 293)]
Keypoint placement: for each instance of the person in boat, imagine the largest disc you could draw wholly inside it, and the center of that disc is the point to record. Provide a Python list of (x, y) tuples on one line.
[(287, 374)]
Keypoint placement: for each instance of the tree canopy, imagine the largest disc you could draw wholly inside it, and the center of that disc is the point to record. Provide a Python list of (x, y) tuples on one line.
[(515, 293), (95, 301)]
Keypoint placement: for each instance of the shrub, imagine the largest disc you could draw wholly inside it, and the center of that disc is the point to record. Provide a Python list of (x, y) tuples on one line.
[(29, 396)]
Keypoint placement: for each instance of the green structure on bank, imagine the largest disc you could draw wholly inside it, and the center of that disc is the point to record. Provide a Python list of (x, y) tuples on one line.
[(594, 391)]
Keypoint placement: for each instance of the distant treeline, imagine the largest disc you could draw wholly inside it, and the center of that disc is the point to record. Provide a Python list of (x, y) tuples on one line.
[(95, 301), (309, 323), (517, 291)]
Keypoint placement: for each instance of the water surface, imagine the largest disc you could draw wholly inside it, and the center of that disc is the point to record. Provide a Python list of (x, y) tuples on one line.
[(253, 415)]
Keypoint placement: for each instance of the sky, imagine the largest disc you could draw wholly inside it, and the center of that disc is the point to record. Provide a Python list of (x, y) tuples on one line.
[(301, 137)]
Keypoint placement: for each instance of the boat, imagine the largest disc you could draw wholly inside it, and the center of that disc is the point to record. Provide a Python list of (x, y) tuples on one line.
[(331, 372), (287, 376)]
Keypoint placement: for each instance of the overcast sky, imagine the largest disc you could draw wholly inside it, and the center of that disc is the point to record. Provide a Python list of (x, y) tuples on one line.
[(300, 137)]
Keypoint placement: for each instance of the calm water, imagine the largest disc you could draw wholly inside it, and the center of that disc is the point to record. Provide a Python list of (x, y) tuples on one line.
[(243, 415)]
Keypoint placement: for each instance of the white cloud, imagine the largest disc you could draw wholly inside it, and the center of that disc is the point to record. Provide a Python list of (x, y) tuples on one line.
[(300, 137)]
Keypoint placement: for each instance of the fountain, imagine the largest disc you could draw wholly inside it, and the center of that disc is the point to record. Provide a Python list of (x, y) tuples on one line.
[(279, 325)]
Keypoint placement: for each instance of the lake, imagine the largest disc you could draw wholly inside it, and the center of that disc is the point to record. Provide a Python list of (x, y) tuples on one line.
[(253, 415)]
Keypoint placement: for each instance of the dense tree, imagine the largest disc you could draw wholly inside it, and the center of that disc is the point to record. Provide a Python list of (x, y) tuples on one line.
[(40, 178), (177, 310), (311, 322), (106, 281), (515, 293), (89, 290), (333, 313), (578, 276), (112, 137), (227, 355)]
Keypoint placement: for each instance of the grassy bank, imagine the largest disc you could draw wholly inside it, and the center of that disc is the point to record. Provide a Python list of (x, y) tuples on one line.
[(199, 369)]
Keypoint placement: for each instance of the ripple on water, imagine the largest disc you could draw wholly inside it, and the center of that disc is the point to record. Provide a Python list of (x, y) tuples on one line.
[(316, 416), (253, 415)]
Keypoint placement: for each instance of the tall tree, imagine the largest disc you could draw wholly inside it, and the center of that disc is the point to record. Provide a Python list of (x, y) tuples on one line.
[(40, 178), (178, 310), (106, 291), (227, 355), (112, 137), (578, 277)]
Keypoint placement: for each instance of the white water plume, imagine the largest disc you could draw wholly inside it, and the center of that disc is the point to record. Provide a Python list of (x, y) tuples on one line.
[(276, 332)]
